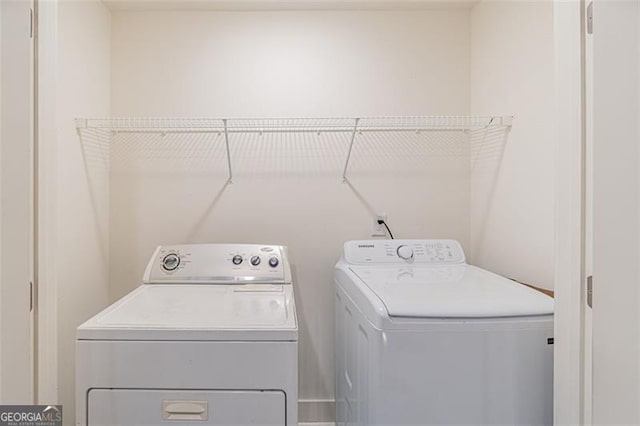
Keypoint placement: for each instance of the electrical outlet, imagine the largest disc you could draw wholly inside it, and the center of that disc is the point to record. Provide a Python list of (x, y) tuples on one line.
[(379, 229)]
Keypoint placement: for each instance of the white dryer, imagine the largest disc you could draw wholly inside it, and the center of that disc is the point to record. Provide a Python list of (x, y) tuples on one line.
[(422, 338), (211, 338)]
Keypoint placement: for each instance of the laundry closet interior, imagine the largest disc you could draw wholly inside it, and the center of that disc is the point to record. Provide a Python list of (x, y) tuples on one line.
[(296, 123)]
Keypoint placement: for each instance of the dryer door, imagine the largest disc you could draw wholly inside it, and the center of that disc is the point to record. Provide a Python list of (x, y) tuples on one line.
[(109, 407)]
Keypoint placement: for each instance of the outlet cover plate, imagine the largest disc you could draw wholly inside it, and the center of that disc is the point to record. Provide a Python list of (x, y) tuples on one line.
[(379, 229)]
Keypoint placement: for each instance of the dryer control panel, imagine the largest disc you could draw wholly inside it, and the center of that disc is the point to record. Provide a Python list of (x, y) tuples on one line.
[(218, 264), (436, 252)]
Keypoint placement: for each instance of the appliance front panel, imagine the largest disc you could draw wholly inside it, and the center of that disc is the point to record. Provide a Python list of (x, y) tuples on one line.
[(108, 407), (471, 372)]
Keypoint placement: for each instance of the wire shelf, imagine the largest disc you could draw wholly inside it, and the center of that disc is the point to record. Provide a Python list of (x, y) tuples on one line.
[(351, 127), (294, 124)]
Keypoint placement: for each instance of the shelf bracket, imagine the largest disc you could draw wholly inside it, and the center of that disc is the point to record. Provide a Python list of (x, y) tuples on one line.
[(226, 141), (353, 139)]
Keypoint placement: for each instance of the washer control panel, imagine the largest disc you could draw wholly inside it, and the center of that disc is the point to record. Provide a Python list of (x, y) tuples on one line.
[(437, 252), (218, 263)]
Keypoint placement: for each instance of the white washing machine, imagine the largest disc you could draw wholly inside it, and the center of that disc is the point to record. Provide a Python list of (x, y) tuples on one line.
[(210, 338), (422, 338)]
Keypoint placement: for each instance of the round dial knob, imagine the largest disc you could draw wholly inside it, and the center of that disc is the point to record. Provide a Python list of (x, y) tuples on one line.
[(273, 262), (255, 260), (405, 252), (170, 262), (237, 259)]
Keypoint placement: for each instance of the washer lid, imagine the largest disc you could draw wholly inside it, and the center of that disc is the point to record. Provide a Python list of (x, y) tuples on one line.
[(197, 312), (460, 291)]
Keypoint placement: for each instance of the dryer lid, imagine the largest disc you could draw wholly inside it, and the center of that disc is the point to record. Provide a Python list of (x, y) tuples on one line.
[(198, 312), (459, 291)]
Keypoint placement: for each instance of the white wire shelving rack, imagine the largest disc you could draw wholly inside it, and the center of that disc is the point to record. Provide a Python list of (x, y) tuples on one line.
[(351, 127)]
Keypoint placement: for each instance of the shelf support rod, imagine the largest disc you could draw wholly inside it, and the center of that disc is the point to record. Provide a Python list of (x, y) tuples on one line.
[(353, 139), (81, 123), (226, 141)]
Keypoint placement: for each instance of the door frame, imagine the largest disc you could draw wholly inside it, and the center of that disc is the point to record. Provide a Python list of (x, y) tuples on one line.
[(46, 222), (570, 219)]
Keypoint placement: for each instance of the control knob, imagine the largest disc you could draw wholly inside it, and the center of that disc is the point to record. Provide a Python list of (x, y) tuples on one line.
[(405, 252), (170, 262), (237, 259), (255, 260), (273, 262)]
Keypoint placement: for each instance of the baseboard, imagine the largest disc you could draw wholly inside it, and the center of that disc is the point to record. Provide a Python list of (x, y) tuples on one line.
[(316, 411)]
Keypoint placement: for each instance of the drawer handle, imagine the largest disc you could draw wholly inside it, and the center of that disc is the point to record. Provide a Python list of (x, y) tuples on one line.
[(185, 410)]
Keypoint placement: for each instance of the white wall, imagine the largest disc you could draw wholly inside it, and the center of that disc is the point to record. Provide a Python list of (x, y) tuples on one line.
[(286, 191), (82, 258), (512, 207), (290, 63)]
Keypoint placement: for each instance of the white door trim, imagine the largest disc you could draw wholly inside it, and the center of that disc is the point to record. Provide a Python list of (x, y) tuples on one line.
[(47, 344), (1, 118), (638, 133), (568, 363)]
